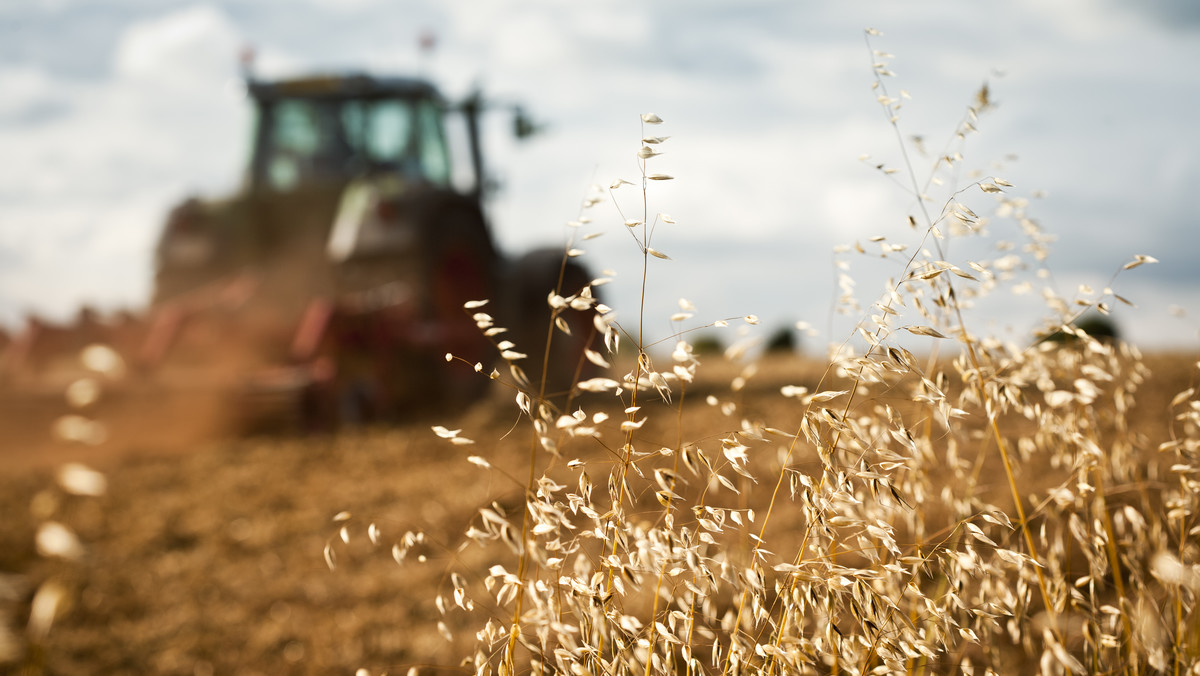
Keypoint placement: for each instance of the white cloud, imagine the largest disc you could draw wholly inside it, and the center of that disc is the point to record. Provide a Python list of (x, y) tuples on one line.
[(30, 95), (348, 6), (191, 47), (90, 185)]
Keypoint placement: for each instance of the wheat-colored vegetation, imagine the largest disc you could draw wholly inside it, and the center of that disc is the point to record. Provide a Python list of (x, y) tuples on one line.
[(979, 506), (926, 500)]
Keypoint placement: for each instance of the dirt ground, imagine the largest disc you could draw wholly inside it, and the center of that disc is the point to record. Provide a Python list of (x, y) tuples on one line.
[(212, 559)]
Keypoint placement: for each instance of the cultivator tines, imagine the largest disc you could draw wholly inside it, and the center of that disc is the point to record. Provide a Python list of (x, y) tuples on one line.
[(45, 355)]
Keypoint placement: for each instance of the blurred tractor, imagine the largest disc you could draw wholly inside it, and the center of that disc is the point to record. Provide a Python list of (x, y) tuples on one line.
[(328, 289)]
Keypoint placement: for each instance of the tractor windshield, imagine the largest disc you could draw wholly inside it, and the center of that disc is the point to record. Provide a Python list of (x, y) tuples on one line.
[(305, 140)]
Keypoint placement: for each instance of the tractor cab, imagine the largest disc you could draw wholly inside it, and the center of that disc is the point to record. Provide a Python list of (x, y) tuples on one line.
[(319, 130), (350, 178)]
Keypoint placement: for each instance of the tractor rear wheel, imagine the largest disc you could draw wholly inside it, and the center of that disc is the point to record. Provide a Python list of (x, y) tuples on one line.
[(462, 267), (533, 322)]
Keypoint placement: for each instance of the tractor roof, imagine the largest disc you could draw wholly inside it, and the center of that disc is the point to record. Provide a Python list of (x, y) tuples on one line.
[(354, 86)]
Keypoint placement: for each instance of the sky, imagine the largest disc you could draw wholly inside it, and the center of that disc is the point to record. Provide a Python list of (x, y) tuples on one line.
[(111, 111)]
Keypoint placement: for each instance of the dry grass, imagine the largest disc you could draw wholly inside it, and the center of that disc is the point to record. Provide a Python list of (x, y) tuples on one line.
[(983, 508), (927, 500), (213, 560)]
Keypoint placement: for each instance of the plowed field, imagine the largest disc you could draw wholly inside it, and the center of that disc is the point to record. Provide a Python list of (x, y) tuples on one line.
[(214, 560)]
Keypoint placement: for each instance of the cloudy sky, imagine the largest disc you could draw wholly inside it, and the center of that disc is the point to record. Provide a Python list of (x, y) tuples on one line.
[(112, 110)]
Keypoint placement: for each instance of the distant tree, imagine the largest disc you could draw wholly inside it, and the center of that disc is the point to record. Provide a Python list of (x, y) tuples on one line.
[(782, 340), (1100, 327), (707, 343)]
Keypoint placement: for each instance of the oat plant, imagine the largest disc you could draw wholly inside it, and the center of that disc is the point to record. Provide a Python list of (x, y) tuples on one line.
[(935, 500)]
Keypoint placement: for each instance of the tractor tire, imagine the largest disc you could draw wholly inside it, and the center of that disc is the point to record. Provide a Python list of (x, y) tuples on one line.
[(461, 266), (531, 321)]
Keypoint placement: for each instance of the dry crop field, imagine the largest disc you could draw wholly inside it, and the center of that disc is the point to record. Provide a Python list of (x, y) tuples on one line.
[(213, 561), (924, 500)]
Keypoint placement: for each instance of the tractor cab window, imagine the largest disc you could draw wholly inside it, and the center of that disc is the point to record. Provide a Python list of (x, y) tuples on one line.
[(302, 144), (381, 130), (320, 140), (401, 135), (435, 155)]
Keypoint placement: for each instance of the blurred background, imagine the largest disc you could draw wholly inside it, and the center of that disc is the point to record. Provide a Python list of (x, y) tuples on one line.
[(111, 111)]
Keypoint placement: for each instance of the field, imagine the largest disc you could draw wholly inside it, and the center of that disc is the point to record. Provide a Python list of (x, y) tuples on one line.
[(212, 561)]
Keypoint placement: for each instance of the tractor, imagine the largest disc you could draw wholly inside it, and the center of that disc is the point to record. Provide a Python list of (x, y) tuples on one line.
[(326, 291)]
